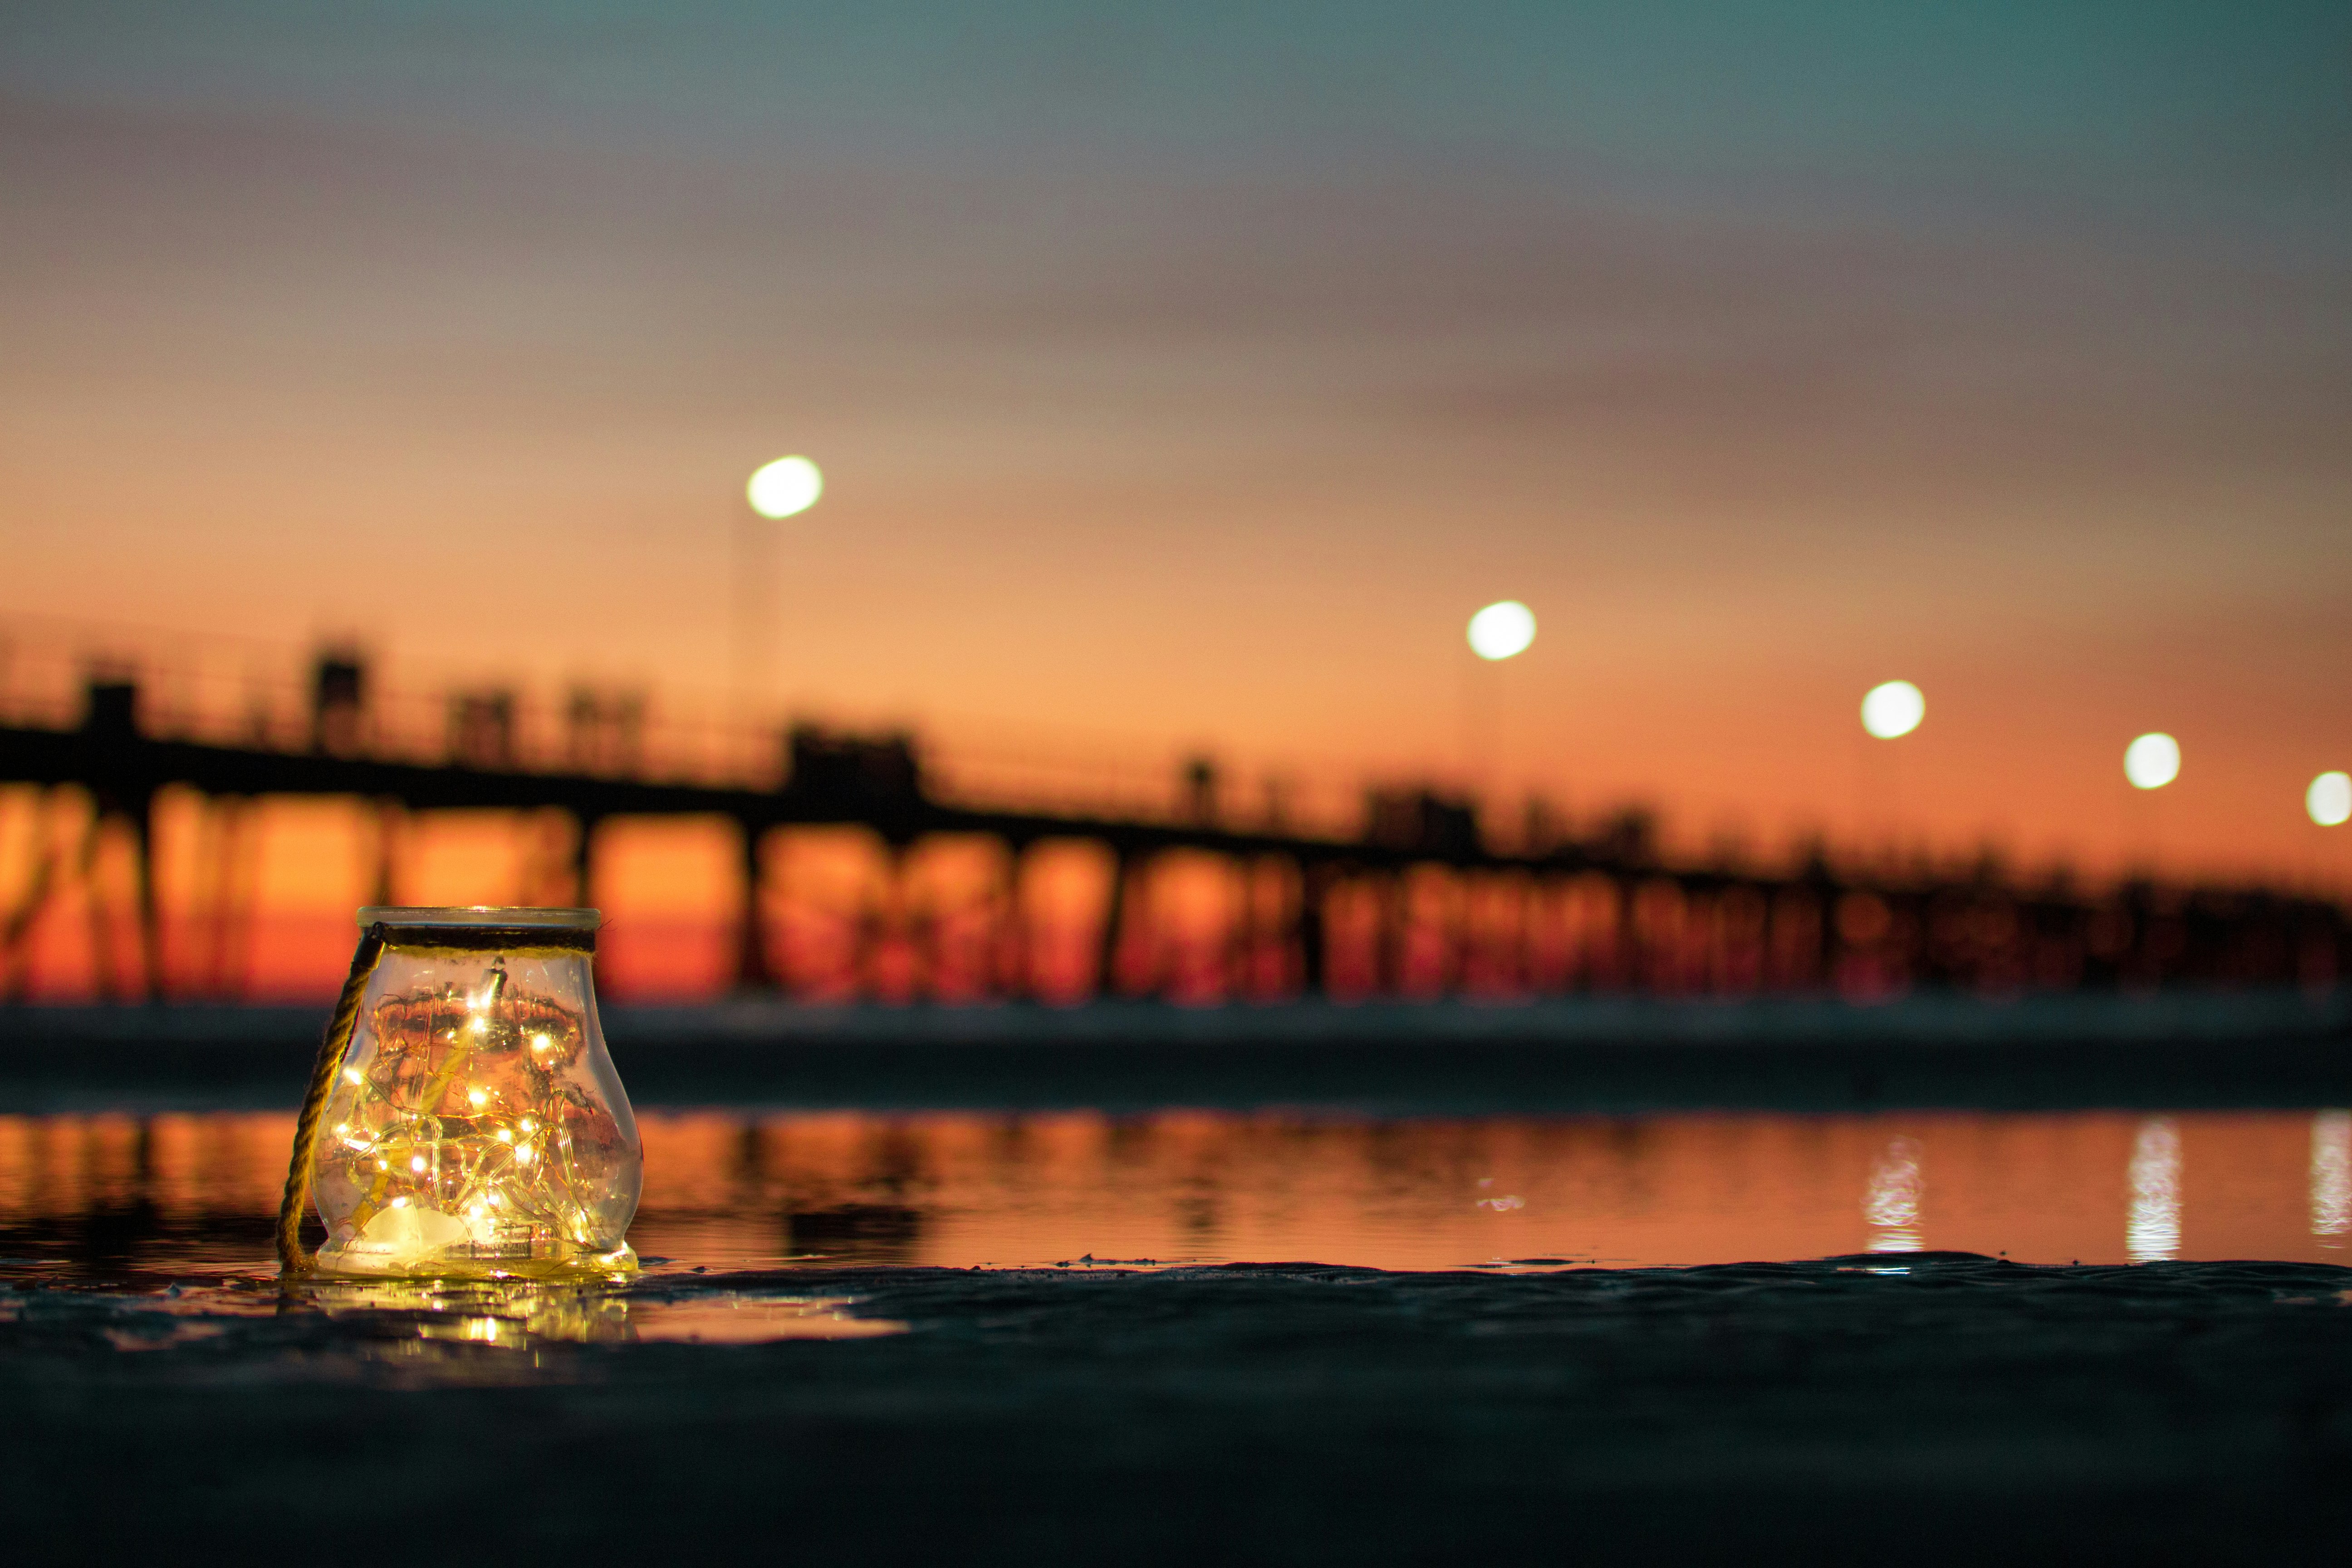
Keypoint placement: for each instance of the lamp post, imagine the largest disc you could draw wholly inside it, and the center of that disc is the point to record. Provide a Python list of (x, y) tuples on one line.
[(2151, 762), (786, 487), (1890, 711), (1502, 630), (2328, 804)]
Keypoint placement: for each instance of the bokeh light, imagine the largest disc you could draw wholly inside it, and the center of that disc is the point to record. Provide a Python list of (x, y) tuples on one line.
[(785, 486), (2329, 799), (2153, 761), (1502, 630), (1892, 708)]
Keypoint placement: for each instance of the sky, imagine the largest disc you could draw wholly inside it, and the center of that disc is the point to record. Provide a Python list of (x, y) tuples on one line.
[(1186, 376)]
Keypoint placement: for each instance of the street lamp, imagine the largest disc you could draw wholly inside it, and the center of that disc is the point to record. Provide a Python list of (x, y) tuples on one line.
[(1501, 630), (1892, 709), (786, 487), (2153, 761), (2329, 799)]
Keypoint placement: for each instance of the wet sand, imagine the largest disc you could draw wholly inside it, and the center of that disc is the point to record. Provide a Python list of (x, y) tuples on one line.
[(1889, 1408), (1848, 1410)]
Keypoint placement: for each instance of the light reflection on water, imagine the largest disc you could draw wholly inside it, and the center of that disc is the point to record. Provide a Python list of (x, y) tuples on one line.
[(2153, 1231), (97, 1196), (410, 1316), (1892, 1204), (522, 1314), (2331, 1172)]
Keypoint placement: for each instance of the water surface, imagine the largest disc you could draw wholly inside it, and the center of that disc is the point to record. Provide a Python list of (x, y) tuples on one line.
[(102, 1196)]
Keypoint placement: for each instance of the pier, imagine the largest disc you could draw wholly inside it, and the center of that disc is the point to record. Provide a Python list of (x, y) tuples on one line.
[(1421, 899)]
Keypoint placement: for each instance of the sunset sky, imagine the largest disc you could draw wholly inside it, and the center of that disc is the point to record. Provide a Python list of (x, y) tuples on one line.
[(1186, 375)]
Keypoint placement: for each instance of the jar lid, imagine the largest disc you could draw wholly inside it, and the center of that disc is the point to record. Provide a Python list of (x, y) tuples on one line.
[(411, 917)]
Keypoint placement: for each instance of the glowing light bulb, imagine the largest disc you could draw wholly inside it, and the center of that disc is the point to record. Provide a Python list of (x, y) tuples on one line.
[(542, 1043), (476, 1098), (786, 487), (2329, 799), (416, 1161), (1502, 630), (2153, 761), (1892, 709), (352, 1075)]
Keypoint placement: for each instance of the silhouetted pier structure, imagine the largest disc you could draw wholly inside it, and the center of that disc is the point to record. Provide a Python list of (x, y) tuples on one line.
[(1417, 902)]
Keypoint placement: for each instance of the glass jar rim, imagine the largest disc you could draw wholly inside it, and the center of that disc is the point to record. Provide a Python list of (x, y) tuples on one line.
[(444, 917)]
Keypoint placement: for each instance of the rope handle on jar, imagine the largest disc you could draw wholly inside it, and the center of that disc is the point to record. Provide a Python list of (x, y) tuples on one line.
[(333, 1047)]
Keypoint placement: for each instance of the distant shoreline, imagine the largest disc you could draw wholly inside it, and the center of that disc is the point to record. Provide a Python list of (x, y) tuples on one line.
[(1925, 1015), (2277, 1049)]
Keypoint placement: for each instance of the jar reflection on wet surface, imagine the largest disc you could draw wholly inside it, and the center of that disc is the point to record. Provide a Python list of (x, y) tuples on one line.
[(107, 1193)]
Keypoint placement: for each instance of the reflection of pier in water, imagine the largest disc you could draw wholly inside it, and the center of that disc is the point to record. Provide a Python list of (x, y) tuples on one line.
[(112, 1194), (1183, 901)]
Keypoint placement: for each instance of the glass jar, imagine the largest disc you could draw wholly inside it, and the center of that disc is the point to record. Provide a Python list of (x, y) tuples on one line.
[(475, 1126)]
